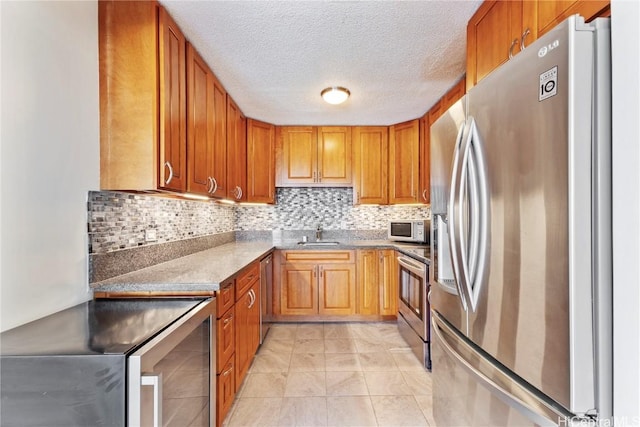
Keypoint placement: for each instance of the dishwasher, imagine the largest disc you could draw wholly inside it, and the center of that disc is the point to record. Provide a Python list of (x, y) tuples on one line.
[(266, 295)]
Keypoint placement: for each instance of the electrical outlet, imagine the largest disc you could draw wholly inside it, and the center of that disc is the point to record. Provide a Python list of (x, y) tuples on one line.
[(150, 235)]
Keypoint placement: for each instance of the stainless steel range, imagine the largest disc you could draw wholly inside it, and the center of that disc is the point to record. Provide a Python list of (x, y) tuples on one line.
[(413, 306)]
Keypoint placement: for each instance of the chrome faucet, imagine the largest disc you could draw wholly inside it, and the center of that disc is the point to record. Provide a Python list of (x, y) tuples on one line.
[(319, 232)]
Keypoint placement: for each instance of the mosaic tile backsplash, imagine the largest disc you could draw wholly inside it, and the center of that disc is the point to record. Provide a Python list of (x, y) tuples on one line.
[(305, 208), (118, 220)]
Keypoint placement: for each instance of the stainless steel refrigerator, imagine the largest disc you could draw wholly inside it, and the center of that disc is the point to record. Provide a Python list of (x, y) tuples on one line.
[(521, 239)]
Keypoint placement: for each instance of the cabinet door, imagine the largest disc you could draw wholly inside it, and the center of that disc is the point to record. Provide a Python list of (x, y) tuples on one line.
[(226, 339), (243, 339), (226, 391), (336, 289), (404, 153), (254, 321), (367, 285), (425, 159), (299, 289), (297, 156), (172, 156), (451, 97), (370, 158), (334, 156), (236, 152), (261, 162), (388, 280), (199, 130), (492, 31), (219, 118), (541, 16)]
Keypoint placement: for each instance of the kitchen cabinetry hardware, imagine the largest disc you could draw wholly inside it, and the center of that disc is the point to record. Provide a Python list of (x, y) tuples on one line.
[(527, 31), (513, 44), (168, 165), (228, 319), (215, 185), (227, 372)]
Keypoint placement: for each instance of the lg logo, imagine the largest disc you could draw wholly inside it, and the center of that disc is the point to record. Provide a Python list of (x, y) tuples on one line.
[(548, 48)]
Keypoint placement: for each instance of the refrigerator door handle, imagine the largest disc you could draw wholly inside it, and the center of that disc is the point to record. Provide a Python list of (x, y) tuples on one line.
[(461, 216), (523, 400), (452, 212), (477, 240)]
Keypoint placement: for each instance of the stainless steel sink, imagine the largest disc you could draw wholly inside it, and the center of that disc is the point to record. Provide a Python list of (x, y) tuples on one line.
[(322, 243)]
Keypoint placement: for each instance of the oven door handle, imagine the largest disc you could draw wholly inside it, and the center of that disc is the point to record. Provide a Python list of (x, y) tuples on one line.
[(413, 266)]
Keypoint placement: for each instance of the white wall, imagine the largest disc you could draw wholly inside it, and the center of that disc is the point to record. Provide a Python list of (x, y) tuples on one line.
[(626, 210), (49, 154)]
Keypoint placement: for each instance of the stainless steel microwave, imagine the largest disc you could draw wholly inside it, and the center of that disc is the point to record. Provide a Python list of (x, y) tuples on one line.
[(411, 230)]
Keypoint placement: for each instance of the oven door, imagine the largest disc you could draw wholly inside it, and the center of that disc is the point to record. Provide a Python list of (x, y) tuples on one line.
[(412, 292), (170, 378)]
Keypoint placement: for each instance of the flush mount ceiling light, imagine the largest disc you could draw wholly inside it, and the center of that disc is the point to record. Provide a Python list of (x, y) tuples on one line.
[(335, 94)]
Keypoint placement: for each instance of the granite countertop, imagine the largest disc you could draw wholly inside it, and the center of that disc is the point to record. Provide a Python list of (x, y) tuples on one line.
[(201, 271), (206, 270)]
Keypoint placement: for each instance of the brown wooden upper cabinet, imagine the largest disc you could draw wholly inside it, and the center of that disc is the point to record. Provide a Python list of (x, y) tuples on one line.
[(260, 162), (142, 98), (206, 129), (438, 109), (236, 152), (312, 156), (502, 28), (370, 164), (404, 161)]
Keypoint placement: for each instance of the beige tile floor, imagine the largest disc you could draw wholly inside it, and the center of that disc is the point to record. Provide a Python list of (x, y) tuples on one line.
[(334, 374)]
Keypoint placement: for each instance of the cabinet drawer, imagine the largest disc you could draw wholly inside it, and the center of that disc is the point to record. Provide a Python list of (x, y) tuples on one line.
[(226, 339), (246, 279), (226, 391), (225, 297), (319, 256)]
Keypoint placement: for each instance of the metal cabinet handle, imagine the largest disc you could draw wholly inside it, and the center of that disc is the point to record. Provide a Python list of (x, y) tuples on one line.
[(228, 319), (155, 381), (168, 165), (319, 176), (424, 194), (314, 177), (210, 185), (215, 186), (227, 372), (513, 44), (252, 295), (524, 36), (239, 193), (321, 270)]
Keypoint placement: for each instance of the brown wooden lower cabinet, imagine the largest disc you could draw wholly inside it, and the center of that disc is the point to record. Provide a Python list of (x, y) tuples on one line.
[(335, 285), (388, 282), (226, 391), (247, 330), (336, 289), (317, 283), (377, 282)]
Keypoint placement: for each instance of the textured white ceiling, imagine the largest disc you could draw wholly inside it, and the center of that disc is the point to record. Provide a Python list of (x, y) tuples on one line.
[(274, 57)]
